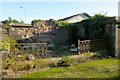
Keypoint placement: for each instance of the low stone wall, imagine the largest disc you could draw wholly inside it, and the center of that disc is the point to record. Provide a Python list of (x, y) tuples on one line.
[(37, 49), (91, 45)]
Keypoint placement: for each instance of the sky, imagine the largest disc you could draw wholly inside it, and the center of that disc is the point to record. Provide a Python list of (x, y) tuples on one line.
[(54, 10)]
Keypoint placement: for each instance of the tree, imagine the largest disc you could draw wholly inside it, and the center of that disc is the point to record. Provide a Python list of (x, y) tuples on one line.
[(7, 22), (15, 21), (22, 21), (35, 21)]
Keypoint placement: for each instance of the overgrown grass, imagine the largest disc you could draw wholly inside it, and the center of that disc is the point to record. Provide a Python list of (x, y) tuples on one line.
[(107, 68)]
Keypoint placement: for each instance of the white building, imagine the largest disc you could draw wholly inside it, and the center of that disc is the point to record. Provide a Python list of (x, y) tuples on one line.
[(76, 18)]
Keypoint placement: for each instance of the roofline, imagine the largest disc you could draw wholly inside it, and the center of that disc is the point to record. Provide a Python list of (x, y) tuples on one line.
[(20, 25), (75, 15)]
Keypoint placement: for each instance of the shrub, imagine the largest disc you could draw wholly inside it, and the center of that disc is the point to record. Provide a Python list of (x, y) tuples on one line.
[(35, 21), (32, 64), (8, 41), (64, 61), (88, 55), (40, 63), (19, 66), (95, 26), (27, 67), (101, 54), (53, 65), (61, 23), (8, 64)]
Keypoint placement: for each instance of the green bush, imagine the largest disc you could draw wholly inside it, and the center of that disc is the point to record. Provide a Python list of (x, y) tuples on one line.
[(8, 41), (64, 61), (27, 67), (101, 54), (53, 64), (61, 23), (40, 63), (8, 63), (19, 66), (35, 21), (94, 26), (32, 64), (88, 55)]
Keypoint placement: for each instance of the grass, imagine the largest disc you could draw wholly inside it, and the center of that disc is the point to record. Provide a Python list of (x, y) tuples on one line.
[(107, 68)]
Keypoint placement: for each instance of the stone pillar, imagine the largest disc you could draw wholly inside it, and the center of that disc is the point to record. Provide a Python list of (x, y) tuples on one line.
[(117, 42)]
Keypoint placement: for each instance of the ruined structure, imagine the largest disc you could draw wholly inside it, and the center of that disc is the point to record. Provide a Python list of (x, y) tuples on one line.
[(47, 32), (40, 32)]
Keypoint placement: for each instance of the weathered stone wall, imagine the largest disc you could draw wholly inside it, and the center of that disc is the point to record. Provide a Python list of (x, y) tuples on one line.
[(41, 32), (110, 37)]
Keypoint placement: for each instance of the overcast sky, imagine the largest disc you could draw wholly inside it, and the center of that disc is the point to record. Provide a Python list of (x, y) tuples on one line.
[(55, 10)]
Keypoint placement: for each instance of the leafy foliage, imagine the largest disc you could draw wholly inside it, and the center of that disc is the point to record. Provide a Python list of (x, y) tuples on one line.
[(101, 54), (64, 61), (8, 41), (20, 66), (35, 21), (61, 23), (7, 22), (95, 26)]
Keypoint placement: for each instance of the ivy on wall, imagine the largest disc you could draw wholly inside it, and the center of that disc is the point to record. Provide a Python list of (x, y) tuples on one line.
[(95, 26)]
